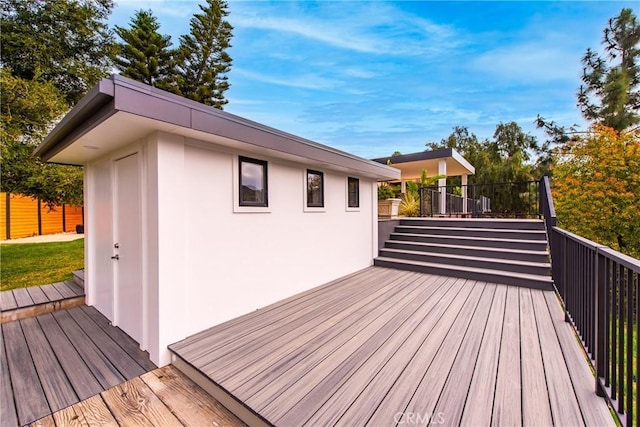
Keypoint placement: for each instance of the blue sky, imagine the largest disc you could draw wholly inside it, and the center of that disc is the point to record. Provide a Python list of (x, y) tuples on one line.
[(373, 77)]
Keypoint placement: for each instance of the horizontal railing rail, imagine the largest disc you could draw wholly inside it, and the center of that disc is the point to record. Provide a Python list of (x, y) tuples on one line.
[(506, 199)]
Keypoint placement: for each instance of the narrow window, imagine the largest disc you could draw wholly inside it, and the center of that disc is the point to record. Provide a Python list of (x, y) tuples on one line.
[(315, 189), (353, 188), (253, 182)]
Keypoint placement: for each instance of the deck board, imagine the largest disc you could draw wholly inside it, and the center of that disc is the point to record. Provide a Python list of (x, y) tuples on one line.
[(64, 290), (127, 367), (8, 416), (51, 292), (128, 344), (324, 329), (381, 346), (479, 404), (51, 362), (535, 395), (30, 400), (37, 295), (7, 301), (162, 397), (362, 364), (562, 398), (58, 390), (582, 379), (453, 396), (22, 297), (80, 376), (507, 404), (133, 398)]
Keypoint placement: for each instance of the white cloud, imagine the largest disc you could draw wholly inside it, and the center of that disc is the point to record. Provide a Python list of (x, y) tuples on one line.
[(367, 27), (359, 73), (530, 62), (307, 81)]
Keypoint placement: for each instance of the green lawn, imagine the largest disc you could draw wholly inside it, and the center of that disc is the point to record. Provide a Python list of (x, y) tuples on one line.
[(34, 264)]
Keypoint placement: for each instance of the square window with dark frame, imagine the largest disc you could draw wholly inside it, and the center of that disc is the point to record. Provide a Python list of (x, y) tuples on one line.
[(315, 189), (253, 182), (353, 189)]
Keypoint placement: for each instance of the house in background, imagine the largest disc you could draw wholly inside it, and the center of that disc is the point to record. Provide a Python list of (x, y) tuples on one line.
[(195, 216), (446, 162)]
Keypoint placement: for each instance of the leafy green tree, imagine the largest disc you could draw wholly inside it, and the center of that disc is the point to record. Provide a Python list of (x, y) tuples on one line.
[(144, 54), (610, 94), (65, 42), (52, 53), (203, 60), (596, 187)]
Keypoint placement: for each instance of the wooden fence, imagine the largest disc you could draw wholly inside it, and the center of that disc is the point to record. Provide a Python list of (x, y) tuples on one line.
[(22, 216)]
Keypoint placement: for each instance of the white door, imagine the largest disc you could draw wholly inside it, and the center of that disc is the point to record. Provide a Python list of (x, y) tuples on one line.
[(127, 246)]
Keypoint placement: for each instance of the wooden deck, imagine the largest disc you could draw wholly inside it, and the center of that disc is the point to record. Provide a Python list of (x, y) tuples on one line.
[(55, 360), (162, 397), (386, 347), (28, 302)]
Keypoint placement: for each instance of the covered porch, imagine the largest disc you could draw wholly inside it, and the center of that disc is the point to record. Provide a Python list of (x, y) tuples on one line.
[(445, 163)]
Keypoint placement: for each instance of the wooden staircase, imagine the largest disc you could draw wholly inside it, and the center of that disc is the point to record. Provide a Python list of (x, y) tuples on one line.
[(509, 251)]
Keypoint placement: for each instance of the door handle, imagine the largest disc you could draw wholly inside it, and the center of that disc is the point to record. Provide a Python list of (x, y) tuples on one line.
[(116, 257)]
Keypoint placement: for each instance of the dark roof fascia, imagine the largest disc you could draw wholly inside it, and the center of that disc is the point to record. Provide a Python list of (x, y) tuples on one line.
[(415, 157), (96, 106), (119, 93), (180, 111)]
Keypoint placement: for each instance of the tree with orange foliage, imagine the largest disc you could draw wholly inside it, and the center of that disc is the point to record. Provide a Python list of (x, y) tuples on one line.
[(596, 187)]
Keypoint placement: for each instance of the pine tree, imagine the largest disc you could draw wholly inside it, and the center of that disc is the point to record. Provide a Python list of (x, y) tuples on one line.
[(610, 94), (145, 54), (203, 59)]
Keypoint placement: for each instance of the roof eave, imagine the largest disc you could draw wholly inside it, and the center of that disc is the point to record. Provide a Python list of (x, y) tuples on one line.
[(93, 108)]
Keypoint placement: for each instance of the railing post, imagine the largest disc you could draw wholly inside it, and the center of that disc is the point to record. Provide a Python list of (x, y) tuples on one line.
[(601, 320), (567, 318)]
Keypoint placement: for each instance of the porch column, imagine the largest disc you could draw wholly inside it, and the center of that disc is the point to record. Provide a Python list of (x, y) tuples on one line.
[(403, 185), (464, 193), (442, 185)]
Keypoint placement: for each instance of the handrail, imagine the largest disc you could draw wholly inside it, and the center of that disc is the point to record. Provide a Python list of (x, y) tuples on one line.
[(599, 289), (547, 209)]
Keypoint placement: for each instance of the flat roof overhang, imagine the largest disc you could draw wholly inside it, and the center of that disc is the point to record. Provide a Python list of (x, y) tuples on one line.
[(411, 165), (118, 111)]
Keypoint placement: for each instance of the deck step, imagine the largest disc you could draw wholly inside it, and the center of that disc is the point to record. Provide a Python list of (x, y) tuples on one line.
[(514, 224), (500, 233), (480, 274), (78, 277), (464, 261), (519, 244), (477, 251), (509, 251)]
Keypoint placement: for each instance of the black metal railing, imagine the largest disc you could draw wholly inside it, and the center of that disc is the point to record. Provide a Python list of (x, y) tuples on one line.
[(599, 289), (508, 199)]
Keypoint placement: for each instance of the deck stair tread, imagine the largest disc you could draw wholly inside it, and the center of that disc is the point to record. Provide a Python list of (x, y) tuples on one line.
[(475, 229), (514, 252), (475, 258), (534, 277), (475, 238), (484, 248)]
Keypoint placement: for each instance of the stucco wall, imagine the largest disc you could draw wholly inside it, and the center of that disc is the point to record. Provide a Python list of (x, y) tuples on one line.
[(238, 262), (203, 262)]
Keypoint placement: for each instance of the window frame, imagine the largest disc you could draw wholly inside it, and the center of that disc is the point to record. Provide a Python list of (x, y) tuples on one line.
[(308, 203), (265, 168), (357, 194)]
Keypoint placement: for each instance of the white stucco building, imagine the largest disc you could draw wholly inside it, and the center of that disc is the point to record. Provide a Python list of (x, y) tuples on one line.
[(195, 216)]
